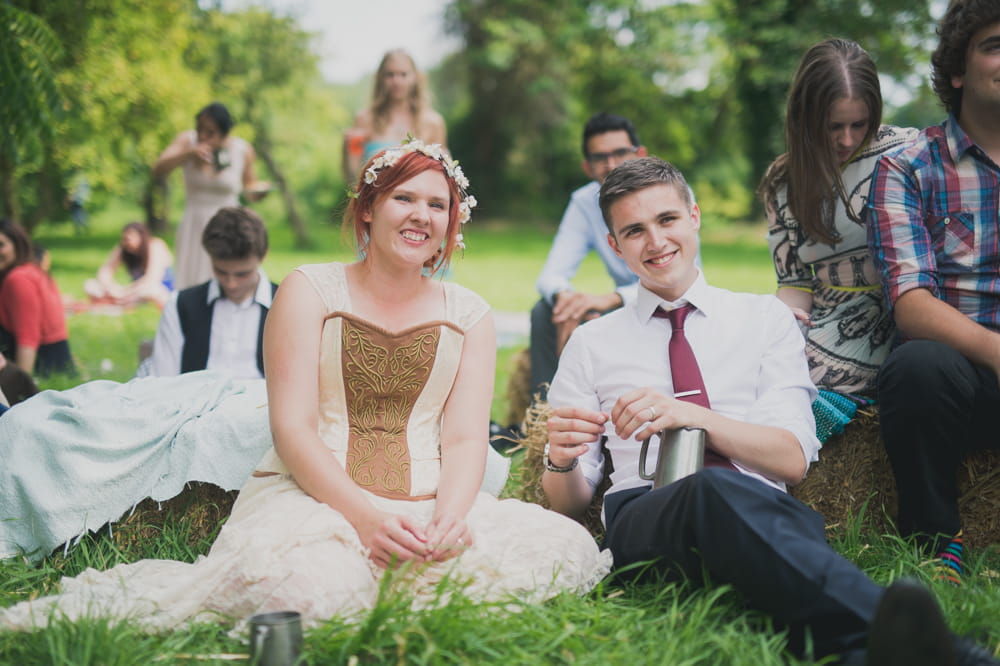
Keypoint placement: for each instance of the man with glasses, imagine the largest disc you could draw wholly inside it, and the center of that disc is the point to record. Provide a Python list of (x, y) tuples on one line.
[(608, 140)]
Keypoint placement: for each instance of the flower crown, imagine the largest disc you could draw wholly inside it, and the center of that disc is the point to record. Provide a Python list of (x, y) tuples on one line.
[(434, 150)]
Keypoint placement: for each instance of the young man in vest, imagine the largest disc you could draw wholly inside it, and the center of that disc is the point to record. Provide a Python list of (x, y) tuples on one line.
[(218, 325)]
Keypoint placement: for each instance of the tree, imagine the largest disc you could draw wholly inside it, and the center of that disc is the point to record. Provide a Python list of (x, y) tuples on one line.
[(766, 39), (704, 81), (515, 138), (118, 90), (31, 100)]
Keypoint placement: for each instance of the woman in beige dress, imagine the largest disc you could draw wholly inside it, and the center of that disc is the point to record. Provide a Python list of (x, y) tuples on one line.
[(217, 168)]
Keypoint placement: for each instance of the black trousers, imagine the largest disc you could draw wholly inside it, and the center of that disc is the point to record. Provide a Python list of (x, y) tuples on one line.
[(769, 546), (51, 358), (935, 407), (542, 348)]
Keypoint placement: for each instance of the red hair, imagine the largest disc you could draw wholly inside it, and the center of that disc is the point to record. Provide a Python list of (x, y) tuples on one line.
[(370, 195)]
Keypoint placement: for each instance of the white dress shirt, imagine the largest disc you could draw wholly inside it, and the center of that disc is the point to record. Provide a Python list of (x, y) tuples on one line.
[(232, 344), (749, 349)]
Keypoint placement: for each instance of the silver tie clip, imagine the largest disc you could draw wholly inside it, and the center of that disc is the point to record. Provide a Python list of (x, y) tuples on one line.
[(684, 394)]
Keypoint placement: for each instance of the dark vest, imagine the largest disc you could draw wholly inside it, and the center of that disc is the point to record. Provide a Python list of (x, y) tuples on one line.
[(195, 314)]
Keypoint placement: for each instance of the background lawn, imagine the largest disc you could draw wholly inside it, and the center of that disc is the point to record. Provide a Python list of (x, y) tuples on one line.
[(501, 264)]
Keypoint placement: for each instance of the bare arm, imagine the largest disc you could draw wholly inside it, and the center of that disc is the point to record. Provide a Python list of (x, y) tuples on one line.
[(435, 129), (25, 358), (920, 314), (573, 305), (464, 438), (292, 372), (800, 301), (106, 273), (769, 450), (353, 148), (572, 432), (178, 152)]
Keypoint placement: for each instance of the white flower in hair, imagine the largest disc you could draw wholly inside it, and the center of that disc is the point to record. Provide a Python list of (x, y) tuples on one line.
[(389, 158)]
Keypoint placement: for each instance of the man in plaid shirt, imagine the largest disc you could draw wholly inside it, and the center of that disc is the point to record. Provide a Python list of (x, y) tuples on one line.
[(934, 233)]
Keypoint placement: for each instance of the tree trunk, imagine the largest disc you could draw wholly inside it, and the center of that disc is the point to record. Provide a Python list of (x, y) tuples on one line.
[(8, 195), (156, 203), (47, 191), (262, 145)]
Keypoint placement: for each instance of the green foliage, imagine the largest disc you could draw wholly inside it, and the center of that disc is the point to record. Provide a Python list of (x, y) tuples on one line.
[(703, 81), (31, 101), (28, 49), (766, 38), (119, 89)]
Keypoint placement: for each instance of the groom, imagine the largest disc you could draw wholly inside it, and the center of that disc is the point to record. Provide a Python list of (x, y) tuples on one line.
[(746, 384)]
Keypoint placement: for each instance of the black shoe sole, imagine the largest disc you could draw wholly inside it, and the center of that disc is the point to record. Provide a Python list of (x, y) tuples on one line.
[(909, 629)]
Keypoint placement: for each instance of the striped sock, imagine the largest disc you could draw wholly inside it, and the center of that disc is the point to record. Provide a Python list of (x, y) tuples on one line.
[(949, 561)]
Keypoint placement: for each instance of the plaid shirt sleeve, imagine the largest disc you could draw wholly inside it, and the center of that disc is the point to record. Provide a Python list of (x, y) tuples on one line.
[(898, 239)]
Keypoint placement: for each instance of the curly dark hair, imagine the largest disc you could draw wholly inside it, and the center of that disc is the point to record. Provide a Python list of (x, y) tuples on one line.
[(963, 19)]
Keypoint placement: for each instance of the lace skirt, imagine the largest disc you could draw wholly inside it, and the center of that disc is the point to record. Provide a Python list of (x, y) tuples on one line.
[(283, 550)]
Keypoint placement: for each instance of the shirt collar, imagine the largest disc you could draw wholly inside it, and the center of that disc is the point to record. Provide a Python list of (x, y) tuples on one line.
[(698, 295), (262, 295), (961, 144)]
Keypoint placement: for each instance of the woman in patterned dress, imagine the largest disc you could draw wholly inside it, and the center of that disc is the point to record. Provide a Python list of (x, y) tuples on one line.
[(814, 195)]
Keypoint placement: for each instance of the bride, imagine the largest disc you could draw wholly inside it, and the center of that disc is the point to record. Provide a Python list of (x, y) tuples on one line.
[(379, 381)]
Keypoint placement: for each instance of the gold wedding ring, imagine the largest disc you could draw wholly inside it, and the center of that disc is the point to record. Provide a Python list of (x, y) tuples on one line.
[(652, 412)]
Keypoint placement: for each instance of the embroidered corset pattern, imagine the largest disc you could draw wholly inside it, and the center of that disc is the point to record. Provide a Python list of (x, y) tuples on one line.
[(384, 375)]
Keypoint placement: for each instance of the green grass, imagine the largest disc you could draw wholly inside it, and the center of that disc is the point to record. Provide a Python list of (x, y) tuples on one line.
[(654, 623), (648, 623)]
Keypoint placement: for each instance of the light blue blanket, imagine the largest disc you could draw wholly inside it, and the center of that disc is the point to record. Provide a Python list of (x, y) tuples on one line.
[(71, 461)]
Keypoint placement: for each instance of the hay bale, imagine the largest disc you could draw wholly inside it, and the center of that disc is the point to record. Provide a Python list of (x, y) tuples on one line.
[(853, 469), (533, 438), (519, 387), (202, 506)]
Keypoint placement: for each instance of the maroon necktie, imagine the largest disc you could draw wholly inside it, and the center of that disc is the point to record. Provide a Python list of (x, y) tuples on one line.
[(686, 376)]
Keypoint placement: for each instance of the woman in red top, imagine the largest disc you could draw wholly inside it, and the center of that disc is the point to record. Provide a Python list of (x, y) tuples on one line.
[(32, 323)]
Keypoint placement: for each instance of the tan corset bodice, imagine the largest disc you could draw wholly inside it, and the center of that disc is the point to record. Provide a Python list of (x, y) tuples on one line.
[(384, 374), (382, 393), (381, 398)]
